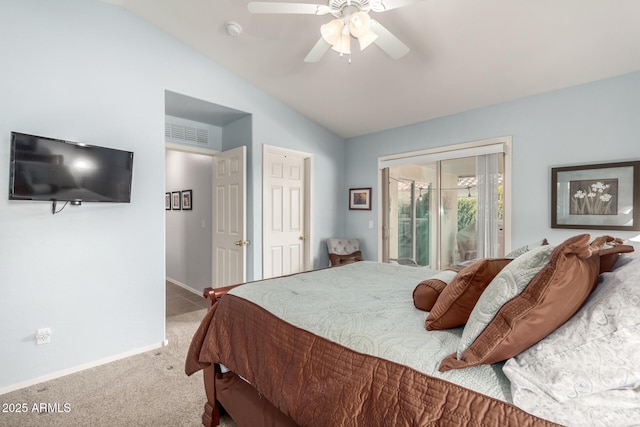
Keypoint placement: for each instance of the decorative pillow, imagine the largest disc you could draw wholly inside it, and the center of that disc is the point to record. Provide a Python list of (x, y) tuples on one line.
[(427, 291), (453, 307), (526, 248), (345, 259), (504, 324), (594, 354), (609, 249)]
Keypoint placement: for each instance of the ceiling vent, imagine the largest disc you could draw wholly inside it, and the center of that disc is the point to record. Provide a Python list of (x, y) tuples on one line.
[(196, 135)]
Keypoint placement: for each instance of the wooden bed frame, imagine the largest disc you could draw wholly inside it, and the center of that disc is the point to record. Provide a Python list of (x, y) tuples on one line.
[(241, 399), (227, 393), (317, 380), (212, 409)]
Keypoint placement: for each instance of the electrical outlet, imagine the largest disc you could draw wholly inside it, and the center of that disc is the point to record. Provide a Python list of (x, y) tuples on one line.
[(43, 336)]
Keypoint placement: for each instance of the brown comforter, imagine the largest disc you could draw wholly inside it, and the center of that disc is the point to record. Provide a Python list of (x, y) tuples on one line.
[(319, 383)]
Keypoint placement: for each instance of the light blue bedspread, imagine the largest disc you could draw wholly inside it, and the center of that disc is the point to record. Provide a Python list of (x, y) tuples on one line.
[(368, 307)]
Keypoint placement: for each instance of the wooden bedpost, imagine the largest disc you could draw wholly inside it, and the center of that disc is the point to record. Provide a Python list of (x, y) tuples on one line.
[(211, 414), (210, 294), (214, 294), (212, 409)]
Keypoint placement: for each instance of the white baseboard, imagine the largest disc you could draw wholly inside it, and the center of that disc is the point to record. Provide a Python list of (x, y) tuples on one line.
[(182, 285), (75, 369)]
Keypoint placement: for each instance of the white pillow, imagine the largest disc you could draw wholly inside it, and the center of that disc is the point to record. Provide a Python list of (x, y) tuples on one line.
[(595, 354), (526, 248)]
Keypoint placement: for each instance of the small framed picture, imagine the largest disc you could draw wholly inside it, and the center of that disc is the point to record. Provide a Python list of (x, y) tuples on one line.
[(360, 199), (175, 200), (187, 200), (167, 201)]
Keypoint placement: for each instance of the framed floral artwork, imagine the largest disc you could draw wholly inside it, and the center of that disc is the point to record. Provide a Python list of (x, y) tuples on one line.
[(360, 198), (602, 196)]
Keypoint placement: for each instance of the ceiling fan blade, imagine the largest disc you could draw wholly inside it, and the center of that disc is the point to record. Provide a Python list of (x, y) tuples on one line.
[(384, 5), (317, 52), (293, 8), (388, 42)]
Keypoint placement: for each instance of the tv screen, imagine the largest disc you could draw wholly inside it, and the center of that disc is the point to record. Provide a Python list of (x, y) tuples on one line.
[(56, 170)]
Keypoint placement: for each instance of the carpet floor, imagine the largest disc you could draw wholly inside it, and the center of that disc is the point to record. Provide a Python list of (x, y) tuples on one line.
[(148, 389)]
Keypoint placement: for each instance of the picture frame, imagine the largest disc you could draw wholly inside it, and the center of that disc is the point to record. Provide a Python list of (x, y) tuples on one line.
[(175, 200), (360, 198), (604, 196), (167, 201), (187, 200)]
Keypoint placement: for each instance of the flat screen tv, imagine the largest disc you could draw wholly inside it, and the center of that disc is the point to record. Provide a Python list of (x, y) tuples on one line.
[(55, 170)]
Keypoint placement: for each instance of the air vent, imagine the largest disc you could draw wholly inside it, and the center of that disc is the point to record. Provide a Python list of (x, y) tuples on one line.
[(186, 133)]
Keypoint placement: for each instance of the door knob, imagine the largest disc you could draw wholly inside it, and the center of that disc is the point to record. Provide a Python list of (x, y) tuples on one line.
[(238, 243), (302, 238)]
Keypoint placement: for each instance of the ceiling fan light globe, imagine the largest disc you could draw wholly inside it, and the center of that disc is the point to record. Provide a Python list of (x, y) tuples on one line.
[(343, 45), (359, 24), (367, 39), (332, 31)]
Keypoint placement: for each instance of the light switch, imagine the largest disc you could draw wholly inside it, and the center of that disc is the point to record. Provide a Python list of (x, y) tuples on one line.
[(370, 224)]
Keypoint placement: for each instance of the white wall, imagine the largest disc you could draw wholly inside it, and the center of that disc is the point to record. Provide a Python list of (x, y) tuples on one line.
[(591, 123), (88, 71), (188, 232)]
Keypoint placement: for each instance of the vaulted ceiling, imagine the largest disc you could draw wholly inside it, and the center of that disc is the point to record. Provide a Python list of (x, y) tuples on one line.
[(463, 54)]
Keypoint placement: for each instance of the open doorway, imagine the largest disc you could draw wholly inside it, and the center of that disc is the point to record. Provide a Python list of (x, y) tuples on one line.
[(195, 132), (188, 219)]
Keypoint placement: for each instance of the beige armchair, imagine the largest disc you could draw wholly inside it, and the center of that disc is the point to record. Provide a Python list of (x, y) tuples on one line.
[(343, 251)]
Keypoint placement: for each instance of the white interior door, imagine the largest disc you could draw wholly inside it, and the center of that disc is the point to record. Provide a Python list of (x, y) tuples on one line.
[(284, 197), (229, 218)]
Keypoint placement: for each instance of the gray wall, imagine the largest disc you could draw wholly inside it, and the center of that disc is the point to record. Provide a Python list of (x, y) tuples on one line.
[(188, 232), (591, 123), (89, 71)]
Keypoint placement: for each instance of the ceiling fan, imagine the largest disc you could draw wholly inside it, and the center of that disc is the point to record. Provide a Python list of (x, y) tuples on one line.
[(351, 20)]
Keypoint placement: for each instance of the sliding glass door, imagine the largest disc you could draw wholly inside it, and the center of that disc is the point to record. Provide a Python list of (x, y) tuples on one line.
[(410, 214), (444, 213)]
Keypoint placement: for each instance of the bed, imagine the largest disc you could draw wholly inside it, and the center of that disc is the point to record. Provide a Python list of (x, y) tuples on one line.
[(348, 345)]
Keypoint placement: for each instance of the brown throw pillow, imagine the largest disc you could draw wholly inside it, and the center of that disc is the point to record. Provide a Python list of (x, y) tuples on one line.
[(345, 259), (609, 249), (456, 301), (427, 291), (550, 299)]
